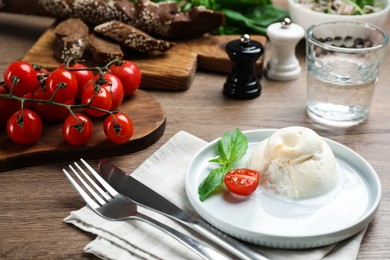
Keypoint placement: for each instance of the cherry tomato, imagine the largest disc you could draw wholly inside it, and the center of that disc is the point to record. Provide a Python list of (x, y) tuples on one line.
[(50, 112), (64, 81), (242, 181), (113, 85), (42, 74), (97, 97), (77, 129), (82, 76), (24, 127), (7, 106), (28, 104), (23, 75), (119, 129), (129, 74)]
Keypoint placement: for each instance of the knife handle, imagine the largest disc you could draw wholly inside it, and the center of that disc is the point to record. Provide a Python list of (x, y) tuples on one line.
[(228, 243)]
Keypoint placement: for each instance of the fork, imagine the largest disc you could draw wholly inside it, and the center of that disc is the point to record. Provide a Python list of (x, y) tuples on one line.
[(113, 206)]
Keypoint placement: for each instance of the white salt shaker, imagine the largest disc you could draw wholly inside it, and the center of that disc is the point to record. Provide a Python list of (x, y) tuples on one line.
[(283, 64)]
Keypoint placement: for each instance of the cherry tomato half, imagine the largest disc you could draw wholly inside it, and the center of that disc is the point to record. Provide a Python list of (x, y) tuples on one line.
[(24, 127), (82, 76), (119, 129), (242, 181), (77, 129), (64, 81), (129, 74), (97, 97), (26, 77)]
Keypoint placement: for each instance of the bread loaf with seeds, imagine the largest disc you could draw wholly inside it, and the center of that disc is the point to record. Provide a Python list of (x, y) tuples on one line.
[(130, 37), (90, 11), (160, 20)]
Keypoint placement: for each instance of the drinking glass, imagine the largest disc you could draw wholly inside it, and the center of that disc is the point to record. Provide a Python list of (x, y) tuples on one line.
[(343, 63)]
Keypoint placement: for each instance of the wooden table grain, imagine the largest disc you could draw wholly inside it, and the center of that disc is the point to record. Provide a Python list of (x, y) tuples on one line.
[(34, 200)]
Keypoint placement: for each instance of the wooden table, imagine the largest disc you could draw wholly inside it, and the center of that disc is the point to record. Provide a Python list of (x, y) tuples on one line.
[(34, 200)]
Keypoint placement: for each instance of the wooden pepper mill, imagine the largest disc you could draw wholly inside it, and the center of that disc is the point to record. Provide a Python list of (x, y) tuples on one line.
[(242, 82)]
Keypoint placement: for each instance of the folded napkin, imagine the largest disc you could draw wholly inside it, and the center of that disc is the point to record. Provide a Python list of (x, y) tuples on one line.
[(164, 172)]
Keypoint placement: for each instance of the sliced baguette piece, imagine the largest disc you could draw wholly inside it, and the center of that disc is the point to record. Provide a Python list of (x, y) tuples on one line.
[(102, 50), (130, 37), (71, 39)]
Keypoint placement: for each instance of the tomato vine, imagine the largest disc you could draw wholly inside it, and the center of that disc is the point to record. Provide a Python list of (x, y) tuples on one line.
[(69, 89)]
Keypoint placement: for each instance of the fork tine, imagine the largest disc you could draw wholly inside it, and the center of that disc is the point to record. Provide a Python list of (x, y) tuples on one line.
[(91, 191), (90, 202), (100, 179), (94, 184)]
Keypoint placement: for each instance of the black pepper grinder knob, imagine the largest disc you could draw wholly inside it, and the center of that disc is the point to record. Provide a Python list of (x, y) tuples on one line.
[(242, 82)]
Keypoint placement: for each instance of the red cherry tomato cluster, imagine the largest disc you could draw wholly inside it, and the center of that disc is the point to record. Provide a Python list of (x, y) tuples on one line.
[(30, 95)]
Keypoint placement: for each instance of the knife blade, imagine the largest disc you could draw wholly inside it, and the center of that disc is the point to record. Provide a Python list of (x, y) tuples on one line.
[(144, 196)]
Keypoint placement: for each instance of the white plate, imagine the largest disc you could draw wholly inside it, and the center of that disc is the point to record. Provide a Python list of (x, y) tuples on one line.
[(267, 220)]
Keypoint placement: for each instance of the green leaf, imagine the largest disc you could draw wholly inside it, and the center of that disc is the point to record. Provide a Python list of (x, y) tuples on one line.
[(232, 146), (212, 182), (228, 29), (247, 25), (266, 15), (221, 161), (206, 3), (241, 4), (254, 20)]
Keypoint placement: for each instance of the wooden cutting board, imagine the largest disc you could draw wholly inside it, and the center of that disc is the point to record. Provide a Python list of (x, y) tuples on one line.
[(149, 125), (173, 70)]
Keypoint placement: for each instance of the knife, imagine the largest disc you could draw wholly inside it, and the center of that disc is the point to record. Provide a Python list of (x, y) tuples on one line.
[(136, 191)]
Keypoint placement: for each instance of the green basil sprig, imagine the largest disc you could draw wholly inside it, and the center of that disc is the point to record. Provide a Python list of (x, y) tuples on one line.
[(231, 147)]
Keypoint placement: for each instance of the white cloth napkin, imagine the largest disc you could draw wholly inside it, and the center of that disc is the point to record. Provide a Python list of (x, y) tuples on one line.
[(164, 172)]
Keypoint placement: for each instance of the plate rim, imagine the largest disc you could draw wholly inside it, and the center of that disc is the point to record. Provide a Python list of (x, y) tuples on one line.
[(300, 241)]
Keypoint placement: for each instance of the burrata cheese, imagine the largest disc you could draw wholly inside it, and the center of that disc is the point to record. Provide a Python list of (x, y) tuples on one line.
[(295, 162)]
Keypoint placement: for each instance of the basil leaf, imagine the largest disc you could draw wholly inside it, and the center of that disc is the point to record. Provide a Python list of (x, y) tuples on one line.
[(212, 182), (233, 145), (221, 161)]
